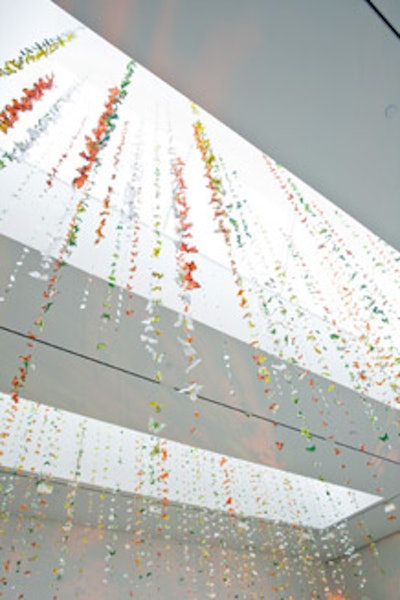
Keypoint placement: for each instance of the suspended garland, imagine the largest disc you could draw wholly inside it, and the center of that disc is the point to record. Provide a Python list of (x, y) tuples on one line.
[(185, 264), (110, 190), (163, 479), (10, 113), (105, 126), (102, 134), (112, 521), (35, 53), (214, 176), (152, 330), (381, 355), (304, 429), (20, 148), (69, 505), (186, 267), (220, 214), (133, 209), (298, 358), (301, 206), (111, 277), (52, 174), (40, 127)]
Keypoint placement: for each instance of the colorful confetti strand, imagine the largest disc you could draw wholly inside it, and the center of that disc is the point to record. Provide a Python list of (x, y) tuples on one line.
[(33, 54), (186, 267), (10, 113), (110, 190), (102, 134), (40, 127), (215, 184), (133, 211), (105, 126), (152, 331)]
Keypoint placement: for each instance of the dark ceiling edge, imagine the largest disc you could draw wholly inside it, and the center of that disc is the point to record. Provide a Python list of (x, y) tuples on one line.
[(385, 20)]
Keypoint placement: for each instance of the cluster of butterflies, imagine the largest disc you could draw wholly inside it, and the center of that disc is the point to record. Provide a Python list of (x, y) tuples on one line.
[(188, 268), (105, 126), (10, 113), (101, 135), (39, 50), (182, 210)]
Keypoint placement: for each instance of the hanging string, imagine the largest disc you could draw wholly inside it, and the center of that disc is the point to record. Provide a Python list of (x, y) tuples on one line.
[(105, 126), (186, 266)]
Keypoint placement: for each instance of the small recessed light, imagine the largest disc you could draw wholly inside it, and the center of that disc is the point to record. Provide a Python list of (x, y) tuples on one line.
[(391, 111), (391, 507)]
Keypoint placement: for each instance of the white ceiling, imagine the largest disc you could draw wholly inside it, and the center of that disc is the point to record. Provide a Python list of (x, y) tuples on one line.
[(313, 83)]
